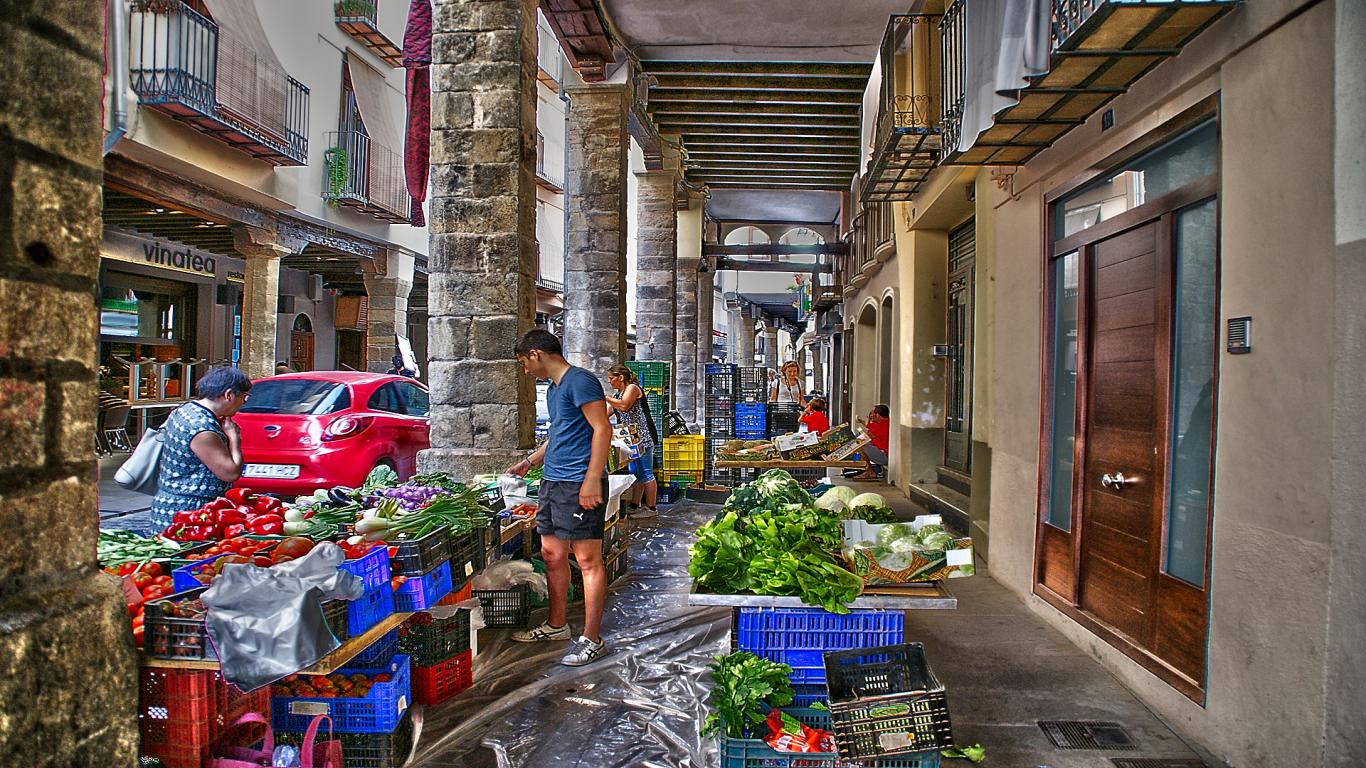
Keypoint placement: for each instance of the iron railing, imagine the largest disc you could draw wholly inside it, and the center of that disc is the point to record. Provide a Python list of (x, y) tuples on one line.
[(364, 174), (953, 83), (550, 285), (182, 64), (908, 101), (880, 225), (356, 9)]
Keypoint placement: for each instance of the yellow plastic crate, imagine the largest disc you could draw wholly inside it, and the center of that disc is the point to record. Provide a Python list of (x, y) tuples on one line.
[(684, 454)]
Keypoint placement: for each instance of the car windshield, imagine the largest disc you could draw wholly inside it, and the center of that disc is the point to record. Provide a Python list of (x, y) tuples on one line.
[(297, 397)]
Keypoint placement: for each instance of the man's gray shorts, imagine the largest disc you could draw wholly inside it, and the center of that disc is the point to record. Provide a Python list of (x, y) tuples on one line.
[(874, 454), (559, 514)]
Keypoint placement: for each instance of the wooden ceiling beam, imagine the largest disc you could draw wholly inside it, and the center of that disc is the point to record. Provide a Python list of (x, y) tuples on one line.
[(812, 154), (769, 140), (814, 186), (670, 108), (758, 68), (773, 133), (735, 161), (682, 124), (763, 96), (734, 83)]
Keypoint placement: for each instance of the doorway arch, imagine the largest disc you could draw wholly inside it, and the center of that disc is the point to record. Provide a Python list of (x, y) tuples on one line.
[(863, 376), (885, 352), (748, 235), (801, 236), (301, 343)]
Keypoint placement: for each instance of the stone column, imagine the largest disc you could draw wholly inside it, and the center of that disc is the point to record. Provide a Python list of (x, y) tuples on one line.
[(595, 260), (744, 343), (481, 283), (770, 344), (261, 249), (68, 669), (818, 369), (656, 267), (686, 373), (387, 287), (706, 300)]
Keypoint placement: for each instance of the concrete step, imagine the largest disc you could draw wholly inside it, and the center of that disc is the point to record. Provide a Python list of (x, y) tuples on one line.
[(956, 479), (938, 499)]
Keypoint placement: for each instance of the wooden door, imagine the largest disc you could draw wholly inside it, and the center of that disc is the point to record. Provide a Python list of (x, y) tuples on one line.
[(1125, 428), (301, 350), (958, 370)]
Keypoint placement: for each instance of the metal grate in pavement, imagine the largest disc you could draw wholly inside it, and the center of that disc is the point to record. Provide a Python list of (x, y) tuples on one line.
[(1086, 734), (1156, 763)]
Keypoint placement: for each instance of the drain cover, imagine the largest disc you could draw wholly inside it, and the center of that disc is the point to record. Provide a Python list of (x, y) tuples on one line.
[(1156, 763), (1086, 734)]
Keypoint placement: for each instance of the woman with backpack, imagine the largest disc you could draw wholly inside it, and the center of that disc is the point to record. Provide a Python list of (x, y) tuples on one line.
[(633, 412)]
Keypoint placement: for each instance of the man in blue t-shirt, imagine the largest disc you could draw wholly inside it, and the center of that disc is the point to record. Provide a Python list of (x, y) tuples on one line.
[(572, 498)]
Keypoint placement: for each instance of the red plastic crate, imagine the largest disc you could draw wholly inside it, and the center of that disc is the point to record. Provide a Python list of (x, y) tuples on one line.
[(184, 715), (435, 684), (454, 598)]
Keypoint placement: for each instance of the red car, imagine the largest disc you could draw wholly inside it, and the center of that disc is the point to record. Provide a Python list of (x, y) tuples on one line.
[(305, 431)]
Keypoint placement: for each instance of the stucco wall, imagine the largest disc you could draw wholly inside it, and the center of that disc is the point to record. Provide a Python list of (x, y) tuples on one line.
[(1269, 562)]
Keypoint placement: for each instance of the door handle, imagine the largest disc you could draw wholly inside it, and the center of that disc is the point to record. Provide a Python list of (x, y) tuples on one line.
[(1116, 481)]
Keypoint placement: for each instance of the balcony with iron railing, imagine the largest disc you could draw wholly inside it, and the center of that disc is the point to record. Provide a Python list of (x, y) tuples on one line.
[(366, 176), (359, 19), (906, 136), (1098, 49), (182, 65)]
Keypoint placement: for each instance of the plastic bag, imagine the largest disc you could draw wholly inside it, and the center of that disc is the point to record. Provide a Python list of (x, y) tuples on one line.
[(266, 623), (514, 490), (507, 574)]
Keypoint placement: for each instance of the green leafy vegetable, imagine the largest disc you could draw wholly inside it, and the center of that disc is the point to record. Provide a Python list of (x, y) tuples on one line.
[(381, 476), (742, 684), (975, 753)]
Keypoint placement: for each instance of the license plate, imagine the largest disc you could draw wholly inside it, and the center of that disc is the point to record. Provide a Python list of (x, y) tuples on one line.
[(278, 471)]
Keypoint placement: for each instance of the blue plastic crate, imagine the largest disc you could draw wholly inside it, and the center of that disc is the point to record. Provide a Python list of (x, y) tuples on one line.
[(372, 567), (713, 369), (380, 652), (379, 711), (799, 637), (421, 592), (182, 578), (754, 753), (807, 694), (751, 434), (369, 609)]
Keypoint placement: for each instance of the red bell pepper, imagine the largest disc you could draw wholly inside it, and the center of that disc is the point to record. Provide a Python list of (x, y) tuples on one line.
[(246, 512), (220, 503), (238, 495), (230, 516), (266, 525), (268, 505), (234, 530)]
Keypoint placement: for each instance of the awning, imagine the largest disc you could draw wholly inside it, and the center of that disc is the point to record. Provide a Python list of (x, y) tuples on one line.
[(251, 81), (372, 99), (1007, 43)]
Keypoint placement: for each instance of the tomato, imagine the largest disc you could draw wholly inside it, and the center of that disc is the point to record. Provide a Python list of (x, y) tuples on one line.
[(382, 678), (282, 559), (137, 636), (141, 579), (154, 569), (137, 620), (163, 581), (155, 592), (295, 546), (261, 561), (127, 568)]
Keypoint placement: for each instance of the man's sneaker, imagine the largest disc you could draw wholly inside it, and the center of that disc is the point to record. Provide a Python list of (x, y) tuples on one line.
[(584, 651), (644, 512), (542, 634)]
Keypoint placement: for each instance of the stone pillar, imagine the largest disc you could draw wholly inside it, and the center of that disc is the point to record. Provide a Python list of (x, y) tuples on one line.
[(387, 287), (770, 344), (68, 670), (744, 342), (595, 260), (818, 369), (656, 267), (686, 373), (481, 283), (706, 299), (261, 249)]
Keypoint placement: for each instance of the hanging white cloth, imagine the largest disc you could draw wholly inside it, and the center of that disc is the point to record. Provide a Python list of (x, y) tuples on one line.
[(872, 102), (1007, 43)]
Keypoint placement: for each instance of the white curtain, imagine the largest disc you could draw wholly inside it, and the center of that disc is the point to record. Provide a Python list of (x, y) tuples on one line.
[(386, 182), (251, 81), (1007, 42), (872, 101)]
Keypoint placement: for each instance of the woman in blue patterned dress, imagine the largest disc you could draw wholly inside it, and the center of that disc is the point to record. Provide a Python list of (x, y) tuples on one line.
[(201, 451), (629, 404)]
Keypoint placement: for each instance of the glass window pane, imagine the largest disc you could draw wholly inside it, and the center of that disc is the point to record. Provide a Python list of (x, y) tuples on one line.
[(1065, 274), (1194, 336), (1191, 156)]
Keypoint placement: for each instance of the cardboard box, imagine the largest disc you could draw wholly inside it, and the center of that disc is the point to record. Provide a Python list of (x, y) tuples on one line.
[(848, 449), (795, 440), (955, 561)]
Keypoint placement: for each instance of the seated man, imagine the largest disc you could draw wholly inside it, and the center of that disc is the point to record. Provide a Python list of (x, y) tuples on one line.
[(875, 453)]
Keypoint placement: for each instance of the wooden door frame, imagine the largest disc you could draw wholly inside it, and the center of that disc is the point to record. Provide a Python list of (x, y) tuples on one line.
[(1160, 209), (970, 336)]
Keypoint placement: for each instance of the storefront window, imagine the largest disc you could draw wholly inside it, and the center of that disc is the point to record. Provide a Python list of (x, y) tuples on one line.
[(1188, 158), (1065, 291), (1194, 336), (146, 328)]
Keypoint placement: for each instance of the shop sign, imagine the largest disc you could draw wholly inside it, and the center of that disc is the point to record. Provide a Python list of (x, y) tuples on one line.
[(166, 254)]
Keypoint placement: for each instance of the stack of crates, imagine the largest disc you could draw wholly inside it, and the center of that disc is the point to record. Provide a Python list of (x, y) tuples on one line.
[(185, 715), (439, 646), (684, 459), (752, 385), (656, 379), (783, 418), (751, 421), (800, 637), (722, 382)]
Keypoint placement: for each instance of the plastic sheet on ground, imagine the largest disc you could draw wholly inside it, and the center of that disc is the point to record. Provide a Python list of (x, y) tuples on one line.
[(641, 706)]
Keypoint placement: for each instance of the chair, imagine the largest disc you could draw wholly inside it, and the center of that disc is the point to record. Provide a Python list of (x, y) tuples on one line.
[(115, 426)]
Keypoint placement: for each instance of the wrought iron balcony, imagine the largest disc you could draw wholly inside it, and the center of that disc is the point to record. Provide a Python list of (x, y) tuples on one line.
[(358, 18), (182, 66), (1098, 49), (554, 286), (908, 130), (365, 175), (824, 297)]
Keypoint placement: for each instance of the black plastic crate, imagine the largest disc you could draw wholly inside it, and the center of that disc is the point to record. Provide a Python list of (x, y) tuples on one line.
[(430, 640), (467, 557), (783, 418), (752, 384), (618, 566), (675, 424), (505, 607), (365, 750), (886, 701), (175, 637), (416, 557), (335, 613), (719, 426)]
